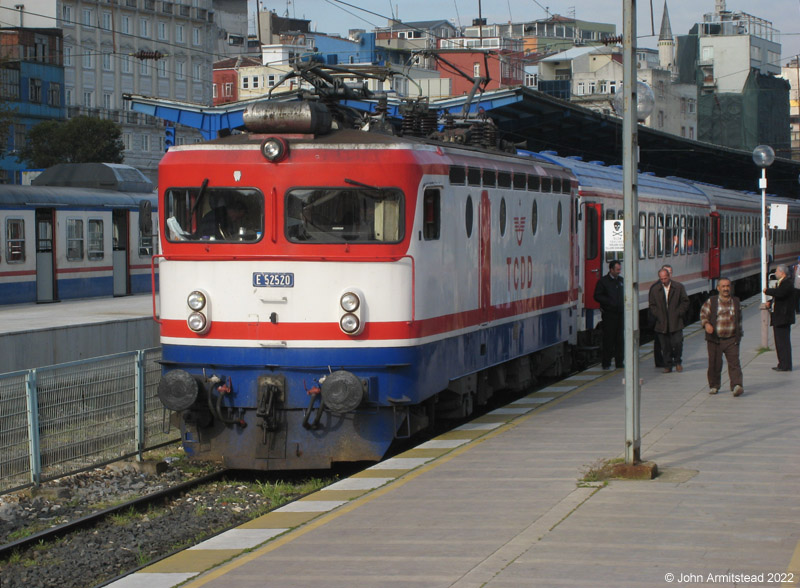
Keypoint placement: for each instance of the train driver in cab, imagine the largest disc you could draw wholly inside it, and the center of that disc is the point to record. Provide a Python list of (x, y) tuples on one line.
[(227, 221)]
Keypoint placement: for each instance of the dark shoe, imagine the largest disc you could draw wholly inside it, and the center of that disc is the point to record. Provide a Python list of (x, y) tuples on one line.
[(679, 368), (667, 370), (780, 369)]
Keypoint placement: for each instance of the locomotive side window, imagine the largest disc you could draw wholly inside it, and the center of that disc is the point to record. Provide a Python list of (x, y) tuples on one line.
[(432, 215), (468, 217), (546, 185), (489, 178), (592, 227), (363, 215), (458, 175), (502, 217), (534, 185), (559, 218), (660, 235), (668, 235), (214, 214), (15, 240), (556, 183), (503, 179), (474, 176), (95, 249), (74, 239), (642, 235), (520, 182)]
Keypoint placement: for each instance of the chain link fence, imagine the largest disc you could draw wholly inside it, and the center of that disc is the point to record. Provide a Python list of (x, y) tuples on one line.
[(69, 417)]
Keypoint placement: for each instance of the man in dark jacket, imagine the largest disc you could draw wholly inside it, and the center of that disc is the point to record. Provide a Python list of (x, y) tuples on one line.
[(668, 306), (782, 317), (609, 294)]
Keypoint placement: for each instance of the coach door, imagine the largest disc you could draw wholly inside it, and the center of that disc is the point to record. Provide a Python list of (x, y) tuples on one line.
[(713, 247), (593, 251), (120, 254), (45, 266)]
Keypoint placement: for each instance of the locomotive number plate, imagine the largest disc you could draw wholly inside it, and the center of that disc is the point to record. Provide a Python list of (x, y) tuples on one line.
[(273, 279)]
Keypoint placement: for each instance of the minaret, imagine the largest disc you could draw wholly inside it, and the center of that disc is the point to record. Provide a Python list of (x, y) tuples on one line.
[(666, 43)]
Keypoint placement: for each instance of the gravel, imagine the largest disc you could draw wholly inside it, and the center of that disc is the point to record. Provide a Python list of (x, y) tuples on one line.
[(123, 542)]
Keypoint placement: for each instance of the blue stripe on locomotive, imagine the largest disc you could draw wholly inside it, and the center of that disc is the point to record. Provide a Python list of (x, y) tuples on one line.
[(415, 372)]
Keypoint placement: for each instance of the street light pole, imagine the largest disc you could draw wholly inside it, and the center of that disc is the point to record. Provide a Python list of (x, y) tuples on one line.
[(763, 157)]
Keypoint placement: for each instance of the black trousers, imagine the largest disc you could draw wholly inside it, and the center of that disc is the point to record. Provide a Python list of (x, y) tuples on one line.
[(671, 348), (613, 339), (783, 346)]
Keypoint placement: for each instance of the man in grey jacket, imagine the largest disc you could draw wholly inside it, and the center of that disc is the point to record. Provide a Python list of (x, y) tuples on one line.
[(668, 306)]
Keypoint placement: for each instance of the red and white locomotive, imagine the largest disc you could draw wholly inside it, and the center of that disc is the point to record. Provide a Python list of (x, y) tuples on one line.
[(326, 290)]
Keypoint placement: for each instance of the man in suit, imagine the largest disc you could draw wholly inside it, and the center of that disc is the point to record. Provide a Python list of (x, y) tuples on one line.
[(782, 317), (668, 306), (609, 294), (656, 341)]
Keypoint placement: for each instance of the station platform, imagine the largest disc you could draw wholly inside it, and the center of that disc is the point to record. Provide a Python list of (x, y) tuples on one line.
[(35, 335), (503, 501)]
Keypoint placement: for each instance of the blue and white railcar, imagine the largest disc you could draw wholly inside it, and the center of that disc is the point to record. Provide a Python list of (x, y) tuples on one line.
[(64, 242)]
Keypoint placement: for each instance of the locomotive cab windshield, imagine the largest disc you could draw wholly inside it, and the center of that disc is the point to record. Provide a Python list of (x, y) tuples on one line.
[(333, 215), (214, 214)]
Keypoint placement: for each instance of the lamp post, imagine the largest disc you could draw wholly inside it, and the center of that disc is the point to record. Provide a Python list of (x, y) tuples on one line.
[(763, 156)]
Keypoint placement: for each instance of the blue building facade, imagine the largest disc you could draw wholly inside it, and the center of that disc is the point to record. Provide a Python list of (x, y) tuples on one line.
[(31, 86)]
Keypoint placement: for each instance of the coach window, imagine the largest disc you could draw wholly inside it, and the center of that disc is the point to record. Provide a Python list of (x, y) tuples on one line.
[(682, 239), (503, 179), (546, 185), (468, 217), (502, 217), (651, 235), (668, 235), (520, 182), (559, 218), (431, 209), (95, 239), (592, 227), (690, 235), (489, 178), (15, 240), (660, 235), (534, 217), (676, 229), (697, 233), (458, 175), (642, 235), (74, 239), (534, 183), (474, 176)]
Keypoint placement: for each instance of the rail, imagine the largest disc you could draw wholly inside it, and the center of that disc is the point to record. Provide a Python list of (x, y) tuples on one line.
[(65, 418)]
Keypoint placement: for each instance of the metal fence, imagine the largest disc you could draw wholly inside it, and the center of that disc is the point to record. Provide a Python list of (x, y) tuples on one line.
[(65, 418)]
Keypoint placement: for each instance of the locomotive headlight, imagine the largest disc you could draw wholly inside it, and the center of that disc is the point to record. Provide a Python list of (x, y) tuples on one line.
[(350, 301), (196, 300), (274, 149), (352, 312), (349, 323), (197, 322)]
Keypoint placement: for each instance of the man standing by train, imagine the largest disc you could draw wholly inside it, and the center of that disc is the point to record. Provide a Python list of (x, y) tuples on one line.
[(668, 306), (610, 295), (782, 317), (721, 318)]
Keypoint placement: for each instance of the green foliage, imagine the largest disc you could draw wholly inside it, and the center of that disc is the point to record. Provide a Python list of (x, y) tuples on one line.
[(82, 139)]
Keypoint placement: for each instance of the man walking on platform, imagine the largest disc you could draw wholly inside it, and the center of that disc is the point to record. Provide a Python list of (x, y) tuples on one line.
[(721, 317), (609, 294), (796, 282), (668, 306), (782, 317), (656, 341)]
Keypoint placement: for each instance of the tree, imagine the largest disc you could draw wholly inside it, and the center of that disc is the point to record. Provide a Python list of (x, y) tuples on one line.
[(82, 139)]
